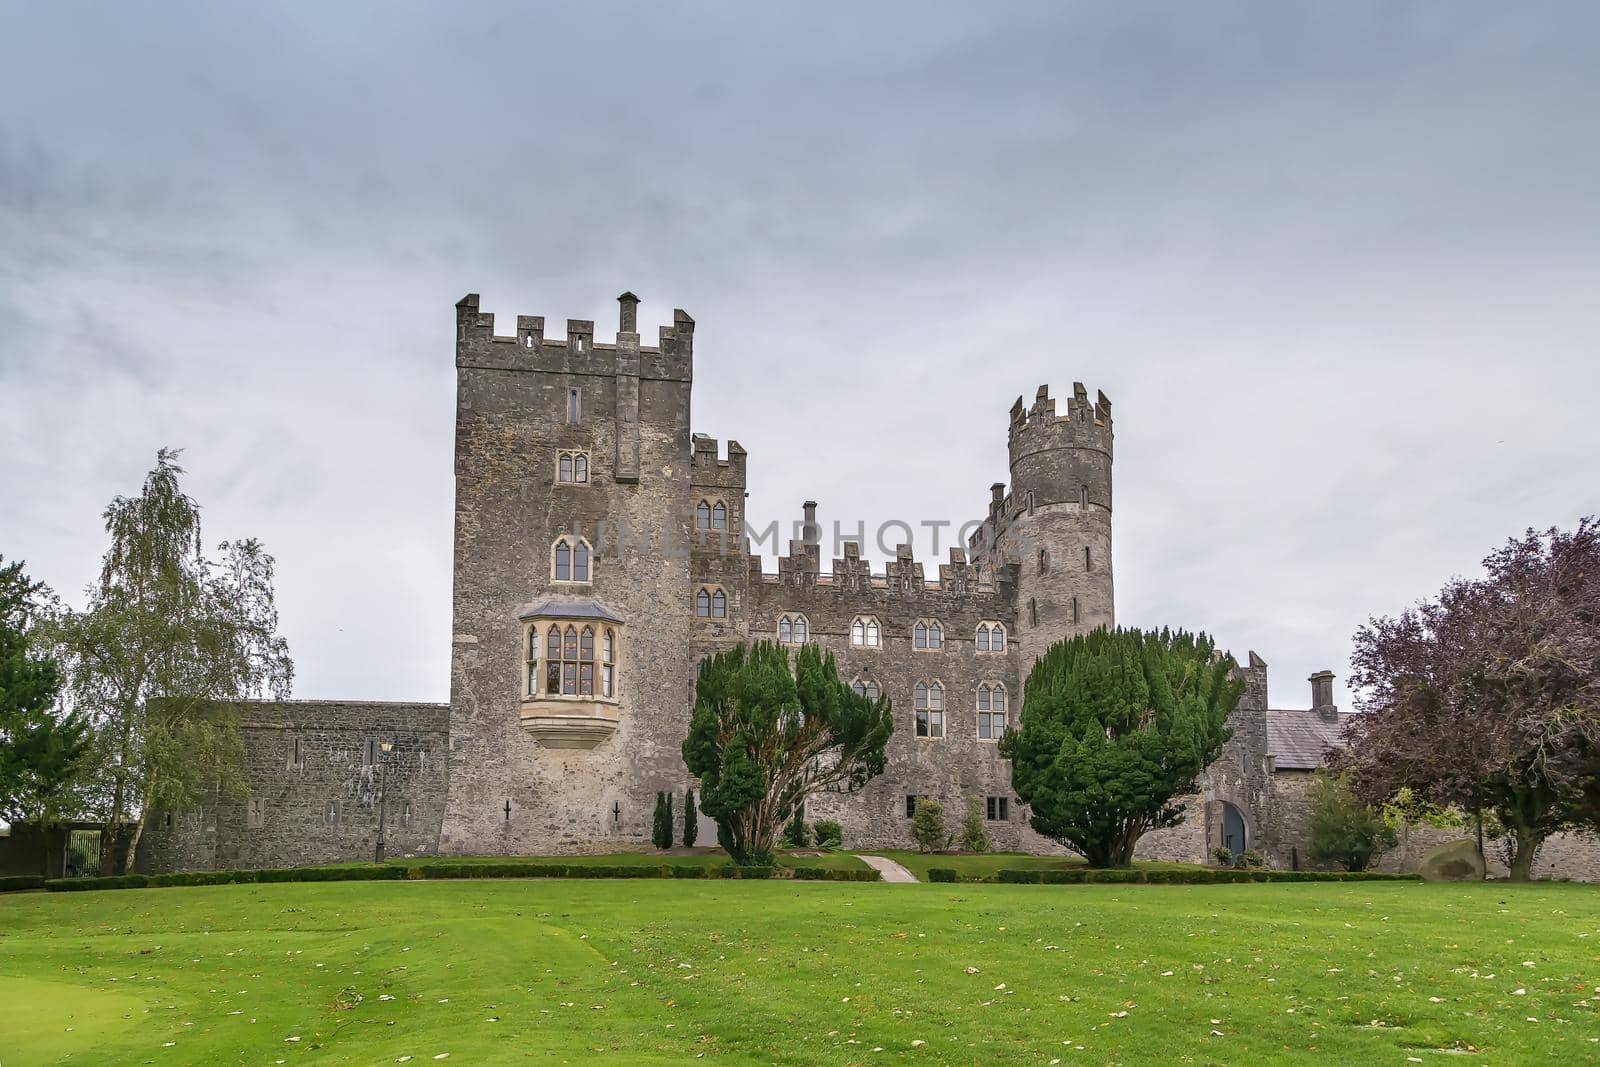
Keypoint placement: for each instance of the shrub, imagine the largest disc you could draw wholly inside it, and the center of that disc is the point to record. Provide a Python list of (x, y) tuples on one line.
[(829, 834), (1344, 830), (753, 871), (927, 825), (179, 878), (795, 832), (1250, 859), (15, 883), (691, 820), (661, 833), (974, 835), (1017, 877), (1064, 876), (942, 874), (115, 881), (1115, 875), (1222, 855), (824, 874)]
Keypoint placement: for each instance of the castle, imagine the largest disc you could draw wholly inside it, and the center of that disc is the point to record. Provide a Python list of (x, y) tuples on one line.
[(601, 552)]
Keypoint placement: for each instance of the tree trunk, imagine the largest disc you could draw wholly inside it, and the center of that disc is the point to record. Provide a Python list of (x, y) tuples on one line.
[(133, 847), (1528, 842)]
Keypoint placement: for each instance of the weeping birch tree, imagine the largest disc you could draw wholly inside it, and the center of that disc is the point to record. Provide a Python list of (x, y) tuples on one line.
[(168, 639)]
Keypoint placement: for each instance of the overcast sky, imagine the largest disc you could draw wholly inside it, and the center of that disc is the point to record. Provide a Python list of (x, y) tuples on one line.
[(1337, 266)]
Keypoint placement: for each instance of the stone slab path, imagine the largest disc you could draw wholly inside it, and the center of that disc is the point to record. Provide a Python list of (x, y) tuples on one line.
[(889, 869)]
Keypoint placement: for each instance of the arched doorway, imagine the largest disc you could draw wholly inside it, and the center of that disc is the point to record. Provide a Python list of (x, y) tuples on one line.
[(1233, 832)]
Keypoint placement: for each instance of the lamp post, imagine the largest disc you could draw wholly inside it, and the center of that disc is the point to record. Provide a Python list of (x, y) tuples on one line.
[(383, 789)]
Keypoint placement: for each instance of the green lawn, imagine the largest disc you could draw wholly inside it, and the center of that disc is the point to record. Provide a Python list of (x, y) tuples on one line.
[(838, 861), (987, 864), (570, 970)]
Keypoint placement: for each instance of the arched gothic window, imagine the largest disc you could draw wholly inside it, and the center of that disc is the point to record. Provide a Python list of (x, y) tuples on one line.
[(991, 637), (864, 632), (710, 602), (710, 515), (866, 688), (567, 667), (793, 629), (1083, 496), (572, 467), (927, 634), (992, 716), (570, 560), (928, 708)]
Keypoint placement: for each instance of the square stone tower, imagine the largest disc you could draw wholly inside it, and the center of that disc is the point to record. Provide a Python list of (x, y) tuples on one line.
[(570, 668)]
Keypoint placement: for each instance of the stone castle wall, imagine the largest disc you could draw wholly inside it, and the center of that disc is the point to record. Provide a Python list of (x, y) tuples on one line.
[(323, 807), (508, 793), (478, 776)]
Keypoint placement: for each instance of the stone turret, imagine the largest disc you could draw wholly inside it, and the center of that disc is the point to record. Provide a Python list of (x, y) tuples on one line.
[(1056, 522)]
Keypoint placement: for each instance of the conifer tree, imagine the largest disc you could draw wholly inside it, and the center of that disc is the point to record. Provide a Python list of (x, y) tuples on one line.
[(691, 828), (43, 750), (763, 737), (1114, 725), (661, 829)]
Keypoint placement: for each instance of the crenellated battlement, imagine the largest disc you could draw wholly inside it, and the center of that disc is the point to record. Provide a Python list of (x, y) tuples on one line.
[(710, 468), (531, 349), (1082, 425), (905, 575)]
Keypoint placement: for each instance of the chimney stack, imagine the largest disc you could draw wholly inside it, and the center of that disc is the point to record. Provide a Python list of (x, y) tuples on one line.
[(811, 533), (1322, 696), (630, 313)]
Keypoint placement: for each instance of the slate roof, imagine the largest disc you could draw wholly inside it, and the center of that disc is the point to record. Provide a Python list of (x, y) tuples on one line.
[(570, 609), (1298, 739)]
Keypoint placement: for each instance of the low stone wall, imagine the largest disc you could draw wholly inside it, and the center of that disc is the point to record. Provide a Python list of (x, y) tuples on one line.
[(1574, 856), (313, 780)]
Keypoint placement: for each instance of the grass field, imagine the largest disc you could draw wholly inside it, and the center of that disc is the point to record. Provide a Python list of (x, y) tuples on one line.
[(563, 971), (988, 864), (837, 861)]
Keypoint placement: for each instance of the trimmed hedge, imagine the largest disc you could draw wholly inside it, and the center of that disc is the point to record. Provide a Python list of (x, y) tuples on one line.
[(18, 882), (115, 881), (824, 874), (1182, 876), (395, 872), (942, 874)]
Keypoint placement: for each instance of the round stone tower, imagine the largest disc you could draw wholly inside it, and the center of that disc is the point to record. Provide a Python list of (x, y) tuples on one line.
[(1059, 528)]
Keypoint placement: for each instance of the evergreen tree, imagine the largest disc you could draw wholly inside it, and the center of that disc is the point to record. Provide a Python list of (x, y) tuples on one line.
[(169, 638), (1115, 724), (974, 834), (661, 831), (927, 825), (691, 823), (763, 737), (43, 751)]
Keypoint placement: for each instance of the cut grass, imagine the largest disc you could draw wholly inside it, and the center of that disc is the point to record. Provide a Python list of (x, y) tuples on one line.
[(987, 864), (835, 861), (800, 973)]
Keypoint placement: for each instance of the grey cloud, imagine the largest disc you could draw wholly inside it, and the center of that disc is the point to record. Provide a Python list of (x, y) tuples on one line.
[(1334, 263)]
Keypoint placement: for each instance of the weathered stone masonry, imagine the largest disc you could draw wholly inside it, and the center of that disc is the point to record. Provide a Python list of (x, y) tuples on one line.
[(601, 552)]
